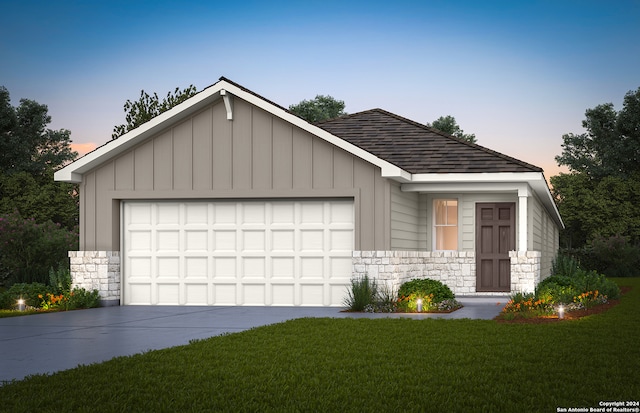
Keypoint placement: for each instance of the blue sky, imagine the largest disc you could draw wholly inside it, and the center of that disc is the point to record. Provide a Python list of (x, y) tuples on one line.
[(517, 74)]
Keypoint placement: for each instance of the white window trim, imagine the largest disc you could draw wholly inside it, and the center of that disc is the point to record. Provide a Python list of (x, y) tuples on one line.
[(434, 241)]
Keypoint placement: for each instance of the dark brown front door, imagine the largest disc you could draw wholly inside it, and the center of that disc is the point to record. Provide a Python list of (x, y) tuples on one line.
[(495, 237)]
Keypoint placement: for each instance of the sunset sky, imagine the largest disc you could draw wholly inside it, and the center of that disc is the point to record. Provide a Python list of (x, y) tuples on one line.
[(518, 74)]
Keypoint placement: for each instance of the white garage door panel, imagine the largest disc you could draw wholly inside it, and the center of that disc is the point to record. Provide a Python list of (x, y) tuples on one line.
[(237, 253)]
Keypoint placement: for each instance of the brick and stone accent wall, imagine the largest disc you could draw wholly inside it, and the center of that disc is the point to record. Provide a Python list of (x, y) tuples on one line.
[(456, 269), (97, 270), (525, 270)]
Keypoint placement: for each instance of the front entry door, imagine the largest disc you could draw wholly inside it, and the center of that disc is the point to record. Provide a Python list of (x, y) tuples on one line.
[(495, 237)]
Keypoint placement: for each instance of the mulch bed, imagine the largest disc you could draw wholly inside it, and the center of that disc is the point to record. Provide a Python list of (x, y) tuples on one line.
[(571, 315)]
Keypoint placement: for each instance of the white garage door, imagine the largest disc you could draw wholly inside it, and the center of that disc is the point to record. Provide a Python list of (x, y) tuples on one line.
[(237, 253)]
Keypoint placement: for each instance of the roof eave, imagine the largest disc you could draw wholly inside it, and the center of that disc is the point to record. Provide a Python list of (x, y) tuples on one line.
[(485, 182), (74, 171)]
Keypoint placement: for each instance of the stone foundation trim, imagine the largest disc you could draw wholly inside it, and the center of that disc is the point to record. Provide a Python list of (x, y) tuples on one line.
[(97, 270), (525, 270), (456, 269)]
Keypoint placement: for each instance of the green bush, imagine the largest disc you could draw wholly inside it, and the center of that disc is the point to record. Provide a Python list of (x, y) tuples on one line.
[(424, 287), (39, 295), (565, 265), (81, 298), (28, 292), (28, 249), (615, 256), (592, 281), (432, 293), (363, 293), (60, 279), (561, 289), (556, 289)]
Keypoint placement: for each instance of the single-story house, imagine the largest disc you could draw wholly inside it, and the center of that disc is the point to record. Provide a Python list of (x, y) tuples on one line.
[(230, 199)]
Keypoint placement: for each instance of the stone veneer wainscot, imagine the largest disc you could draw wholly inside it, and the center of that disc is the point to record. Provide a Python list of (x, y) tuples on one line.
[(456, 269), (97, 270)]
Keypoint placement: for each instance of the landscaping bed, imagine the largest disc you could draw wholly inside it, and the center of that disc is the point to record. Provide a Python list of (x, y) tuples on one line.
[(420, 295), (568, 315)]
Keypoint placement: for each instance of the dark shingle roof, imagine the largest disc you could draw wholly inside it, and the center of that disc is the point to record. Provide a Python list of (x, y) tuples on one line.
[(417, 148)]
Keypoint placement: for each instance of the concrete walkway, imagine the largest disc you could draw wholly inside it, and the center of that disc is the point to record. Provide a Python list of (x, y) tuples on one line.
[(46, 343)]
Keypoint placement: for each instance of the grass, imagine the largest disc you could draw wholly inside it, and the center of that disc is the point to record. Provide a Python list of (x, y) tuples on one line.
[(16, 313), (356, 365)]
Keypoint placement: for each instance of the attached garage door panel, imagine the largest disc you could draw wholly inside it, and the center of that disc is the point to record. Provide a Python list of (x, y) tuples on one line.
[(238, 253)]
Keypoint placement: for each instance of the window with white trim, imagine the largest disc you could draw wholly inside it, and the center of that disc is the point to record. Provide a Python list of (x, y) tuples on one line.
[(445, 224)]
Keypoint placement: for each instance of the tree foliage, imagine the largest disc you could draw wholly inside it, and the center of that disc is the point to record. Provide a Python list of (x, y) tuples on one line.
[(28, 250), (29, 155), (318, 109), (39, 197), (611, 144), (26, 145), (600, 198), (592, 208), (148, 107), (448, 124)]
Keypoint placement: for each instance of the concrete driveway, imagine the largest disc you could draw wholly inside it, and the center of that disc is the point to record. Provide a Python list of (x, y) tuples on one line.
[(46, 343)]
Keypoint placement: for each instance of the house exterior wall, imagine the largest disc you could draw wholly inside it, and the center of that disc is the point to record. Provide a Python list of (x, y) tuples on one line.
[(408, 224), (257, 155), (545, 236), (412, 254), (466, 215)]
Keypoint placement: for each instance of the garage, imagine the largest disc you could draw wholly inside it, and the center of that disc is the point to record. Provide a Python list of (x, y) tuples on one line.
[(237, 252)]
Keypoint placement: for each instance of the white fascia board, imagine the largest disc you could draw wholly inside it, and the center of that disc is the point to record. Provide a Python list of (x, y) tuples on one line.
[(477, 177), (389, 170), (74, 171), (453, 187)]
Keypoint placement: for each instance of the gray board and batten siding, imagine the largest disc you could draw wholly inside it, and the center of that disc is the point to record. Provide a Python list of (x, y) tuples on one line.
[(255, 156)]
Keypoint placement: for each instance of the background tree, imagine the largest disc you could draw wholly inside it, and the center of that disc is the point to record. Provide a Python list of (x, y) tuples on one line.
[(319, 109), (611, 144), (26, 145), (600, 199), (448, 124), (38, 216), (29, 155), (148, 107)]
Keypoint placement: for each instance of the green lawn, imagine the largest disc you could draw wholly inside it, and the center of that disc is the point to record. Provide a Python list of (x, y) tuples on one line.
[(363, 365)]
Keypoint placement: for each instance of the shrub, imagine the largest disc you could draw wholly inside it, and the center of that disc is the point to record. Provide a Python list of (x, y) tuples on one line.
[(424, 287), (615, 256), (42, 296), (556, 289), (565, 265), (60, 279), (363, 293), (582, 289), (81, 298), (431, 292), (592, 281), (29, 292), (28, 249)]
